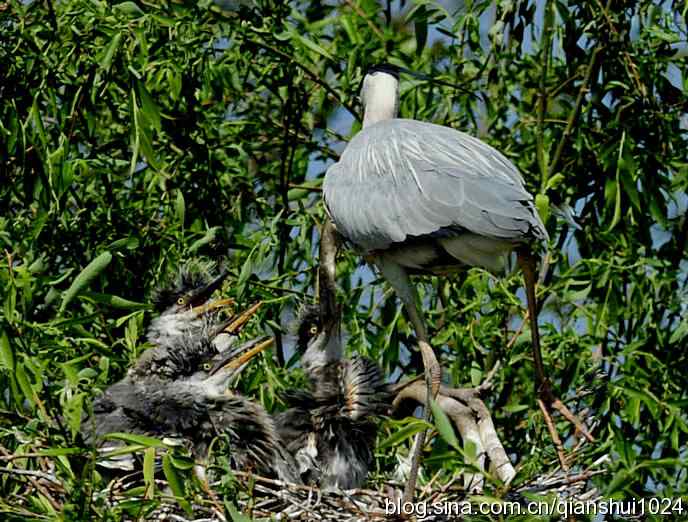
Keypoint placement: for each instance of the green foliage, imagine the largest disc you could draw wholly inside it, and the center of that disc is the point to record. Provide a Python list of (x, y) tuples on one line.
[(135, 134)]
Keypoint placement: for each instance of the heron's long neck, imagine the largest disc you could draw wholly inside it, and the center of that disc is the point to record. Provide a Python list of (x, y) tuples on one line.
[(381, 99), (325, 350)]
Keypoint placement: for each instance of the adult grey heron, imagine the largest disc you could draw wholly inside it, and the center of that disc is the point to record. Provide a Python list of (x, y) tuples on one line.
[(415, 197)]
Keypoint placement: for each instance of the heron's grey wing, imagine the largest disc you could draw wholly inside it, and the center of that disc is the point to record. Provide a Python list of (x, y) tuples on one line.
[(401, 178)]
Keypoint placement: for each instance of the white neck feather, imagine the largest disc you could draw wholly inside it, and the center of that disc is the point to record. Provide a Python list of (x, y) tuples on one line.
[(380, 95)]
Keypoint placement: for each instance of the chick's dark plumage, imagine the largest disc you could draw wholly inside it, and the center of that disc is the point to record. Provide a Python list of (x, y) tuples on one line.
[(178, 388), (331, 428)]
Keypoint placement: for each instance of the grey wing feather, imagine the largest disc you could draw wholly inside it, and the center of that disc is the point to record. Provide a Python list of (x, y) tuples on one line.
[(400, 178)]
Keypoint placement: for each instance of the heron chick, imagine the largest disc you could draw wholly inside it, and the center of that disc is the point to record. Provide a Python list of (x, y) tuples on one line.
[(330, 429), (177, 387), (197, 407)]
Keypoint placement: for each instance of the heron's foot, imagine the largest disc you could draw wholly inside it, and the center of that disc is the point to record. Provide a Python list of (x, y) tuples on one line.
[(547, 402), (433, 370)]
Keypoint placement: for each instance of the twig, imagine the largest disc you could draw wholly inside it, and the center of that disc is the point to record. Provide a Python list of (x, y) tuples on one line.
[(574, 113), (305, 187), (370, 23), (274, 482), (313, 77), (554, 434), (517, 332), (30, 473), (542, 98)]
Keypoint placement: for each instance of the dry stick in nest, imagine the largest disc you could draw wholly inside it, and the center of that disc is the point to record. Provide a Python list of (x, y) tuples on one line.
[(296, 500)]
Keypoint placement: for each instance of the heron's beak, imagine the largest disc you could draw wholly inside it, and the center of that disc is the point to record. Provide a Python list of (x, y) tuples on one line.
[(235, 360), (432, 79), (211, 306), (201, 295), (234, 324)]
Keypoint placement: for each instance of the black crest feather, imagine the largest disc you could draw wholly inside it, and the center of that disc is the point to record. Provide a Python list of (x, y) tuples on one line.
[(386, 68), (307, 317), (194, 273)]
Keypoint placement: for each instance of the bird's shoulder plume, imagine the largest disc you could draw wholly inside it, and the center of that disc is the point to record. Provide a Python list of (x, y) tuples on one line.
[(352, 388)]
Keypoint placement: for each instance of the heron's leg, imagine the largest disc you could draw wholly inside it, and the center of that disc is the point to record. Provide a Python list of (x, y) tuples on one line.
[(543, 388), (398, 278)]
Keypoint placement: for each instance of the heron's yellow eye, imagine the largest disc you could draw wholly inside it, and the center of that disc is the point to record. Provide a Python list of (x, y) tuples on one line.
[(180, 301), (207, 366), (313, 330)]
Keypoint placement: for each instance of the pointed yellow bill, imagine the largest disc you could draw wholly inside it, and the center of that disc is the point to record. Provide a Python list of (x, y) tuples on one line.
[(212, 305), (248, 355), (243, 318)]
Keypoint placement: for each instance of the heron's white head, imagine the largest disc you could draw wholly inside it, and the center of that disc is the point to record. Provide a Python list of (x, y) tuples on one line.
[(380, 94)]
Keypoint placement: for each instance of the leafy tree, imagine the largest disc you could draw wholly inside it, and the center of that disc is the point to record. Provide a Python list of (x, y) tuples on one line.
[(136, 134)]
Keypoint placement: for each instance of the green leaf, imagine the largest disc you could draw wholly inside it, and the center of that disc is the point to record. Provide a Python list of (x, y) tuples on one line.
[(294, 34), (246, 270), (73, 412), (444, 426), (542, 205), (60, 452), (554, 182), (130, 243), (680, 333), (149, 472), (403, 434), (619, 480), (420, 28), (87, 275), (476, 374), (24, 384), (130, 9), (141, 440), (182, 463), (6, 353), (176, 483), (617, 188), (149, 109), (115, 301), (110, 50), (235, 514), (578, 295), (125, 318), (207, 238), (179, 208)]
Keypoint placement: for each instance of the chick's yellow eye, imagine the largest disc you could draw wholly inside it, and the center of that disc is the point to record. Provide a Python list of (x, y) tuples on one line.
[(207, 366), (180, 301), (313, 330)]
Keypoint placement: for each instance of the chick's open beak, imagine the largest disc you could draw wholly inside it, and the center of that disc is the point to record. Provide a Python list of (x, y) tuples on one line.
[(235, 360), (234, 324), (211, 306)]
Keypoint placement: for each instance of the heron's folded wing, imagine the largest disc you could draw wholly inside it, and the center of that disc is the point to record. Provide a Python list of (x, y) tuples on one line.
[(405, 178)]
